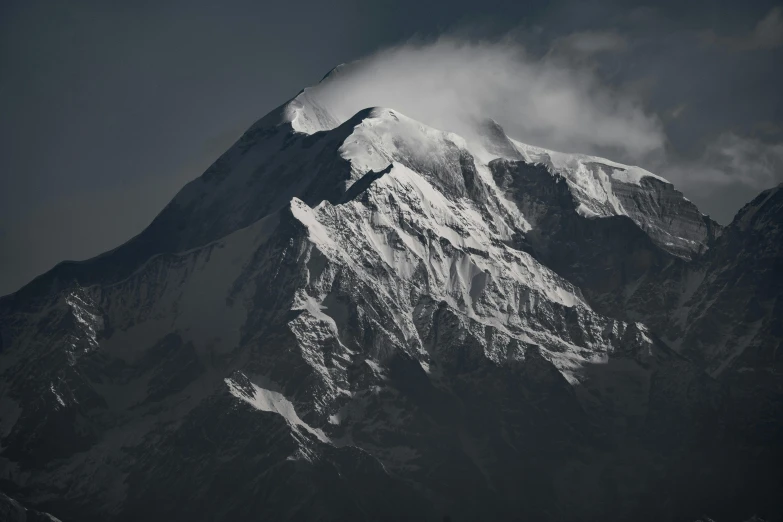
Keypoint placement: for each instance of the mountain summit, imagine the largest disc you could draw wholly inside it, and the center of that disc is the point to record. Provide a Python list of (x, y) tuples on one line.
[(373, 319)]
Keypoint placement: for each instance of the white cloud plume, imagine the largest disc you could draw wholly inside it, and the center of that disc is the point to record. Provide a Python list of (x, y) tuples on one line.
[(450, 84)]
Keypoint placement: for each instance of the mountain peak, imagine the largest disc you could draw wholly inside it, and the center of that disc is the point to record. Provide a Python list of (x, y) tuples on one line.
[(371, 318), (764, 210)]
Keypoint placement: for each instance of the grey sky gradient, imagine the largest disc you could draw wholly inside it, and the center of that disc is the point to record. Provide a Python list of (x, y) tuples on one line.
[(108, 108)]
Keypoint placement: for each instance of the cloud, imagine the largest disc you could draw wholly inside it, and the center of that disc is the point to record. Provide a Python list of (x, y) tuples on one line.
[(677, 111), (733, 159), (450, 84), (748, 161), (731, 170), (768, 34), (560, 101)]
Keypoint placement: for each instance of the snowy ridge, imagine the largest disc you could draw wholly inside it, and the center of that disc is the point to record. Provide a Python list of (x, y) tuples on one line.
[(405, 240), (603, 188), (574, 165)]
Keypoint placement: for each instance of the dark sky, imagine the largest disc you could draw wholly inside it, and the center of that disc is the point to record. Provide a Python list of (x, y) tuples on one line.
[(107, 109)]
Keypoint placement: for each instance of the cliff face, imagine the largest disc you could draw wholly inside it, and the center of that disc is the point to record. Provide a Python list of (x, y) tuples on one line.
[(375, 319)]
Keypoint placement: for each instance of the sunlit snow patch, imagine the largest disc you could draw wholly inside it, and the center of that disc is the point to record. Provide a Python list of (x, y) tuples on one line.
[(267, 400)]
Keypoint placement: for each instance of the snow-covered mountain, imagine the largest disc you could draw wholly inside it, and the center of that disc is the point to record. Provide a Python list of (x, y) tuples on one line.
[(374, 319)]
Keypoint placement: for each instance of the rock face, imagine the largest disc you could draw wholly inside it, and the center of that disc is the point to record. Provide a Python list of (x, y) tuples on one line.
[(377, 320), (733, 318)]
